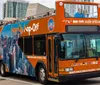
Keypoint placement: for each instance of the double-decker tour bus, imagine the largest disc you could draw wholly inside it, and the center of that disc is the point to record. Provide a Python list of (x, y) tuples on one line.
[(59, 46)]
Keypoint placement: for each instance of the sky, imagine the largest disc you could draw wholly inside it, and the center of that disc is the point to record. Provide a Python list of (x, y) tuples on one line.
[(48, 3)]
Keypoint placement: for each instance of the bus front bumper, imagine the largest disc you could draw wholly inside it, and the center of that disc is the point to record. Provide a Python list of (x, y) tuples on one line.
[(79, 76)]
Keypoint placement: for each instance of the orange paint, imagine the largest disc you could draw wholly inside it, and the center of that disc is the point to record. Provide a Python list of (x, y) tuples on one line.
[(0, 29), (41, 26)]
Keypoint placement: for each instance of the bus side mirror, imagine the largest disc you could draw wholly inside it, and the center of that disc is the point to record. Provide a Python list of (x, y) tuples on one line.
[(57, 41), (57, 46)]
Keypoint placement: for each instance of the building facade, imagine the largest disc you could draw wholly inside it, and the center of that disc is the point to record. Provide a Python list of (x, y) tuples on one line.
[(37, 9), (15, 9)]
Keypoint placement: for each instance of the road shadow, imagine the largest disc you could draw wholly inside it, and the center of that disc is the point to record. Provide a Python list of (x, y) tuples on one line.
[(93, 81), (78, 82), (2, 79), (22, 78)]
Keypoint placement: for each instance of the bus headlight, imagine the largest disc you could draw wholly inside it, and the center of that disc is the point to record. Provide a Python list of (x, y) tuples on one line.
[(69, 69)]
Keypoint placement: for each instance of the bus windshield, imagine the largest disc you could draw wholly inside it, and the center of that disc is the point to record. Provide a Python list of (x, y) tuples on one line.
[(75, 46), (80, 11)]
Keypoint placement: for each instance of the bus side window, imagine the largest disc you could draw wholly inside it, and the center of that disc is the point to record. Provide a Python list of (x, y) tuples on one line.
[(40, 45), (28, 47), (62, 49), (20, 43)]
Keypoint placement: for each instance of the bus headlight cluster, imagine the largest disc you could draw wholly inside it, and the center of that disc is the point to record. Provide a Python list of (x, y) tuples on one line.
[(69, 69)]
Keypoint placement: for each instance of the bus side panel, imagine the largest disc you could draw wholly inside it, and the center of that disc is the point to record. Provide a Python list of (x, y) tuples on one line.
[(12, 55), (0, 45)]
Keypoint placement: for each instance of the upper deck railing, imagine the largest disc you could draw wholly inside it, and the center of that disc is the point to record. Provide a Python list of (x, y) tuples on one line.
[(38, 16)]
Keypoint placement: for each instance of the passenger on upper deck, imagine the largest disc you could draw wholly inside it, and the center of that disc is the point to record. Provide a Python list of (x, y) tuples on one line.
[(79, 14), (86, 13), (1, 23), (67, 14), (53, 13)]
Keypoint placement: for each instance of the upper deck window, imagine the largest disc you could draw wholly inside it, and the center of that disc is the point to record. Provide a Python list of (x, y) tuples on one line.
[(80, 11)]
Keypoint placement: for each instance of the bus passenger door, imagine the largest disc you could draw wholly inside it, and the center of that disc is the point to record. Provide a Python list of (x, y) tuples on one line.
[(52, 58)]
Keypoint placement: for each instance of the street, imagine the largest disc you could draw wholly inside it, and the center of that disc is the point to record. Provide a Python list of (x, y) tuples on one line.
[(23, 80)]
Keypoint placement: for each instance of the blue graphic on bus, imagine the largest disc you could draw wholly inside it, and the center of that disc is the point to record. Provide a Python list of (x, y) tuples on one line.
[(51, 25), (12, 55)]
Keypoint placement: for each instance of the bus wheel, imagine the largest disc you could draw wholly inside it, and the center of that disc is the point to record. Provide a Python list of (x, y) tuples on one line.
[(2, 70), (42, 75)]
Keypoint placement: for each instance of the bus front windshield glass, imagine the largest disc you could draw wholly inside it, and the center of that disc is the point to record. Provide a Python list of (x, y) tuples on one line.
[(80, 11), (75, 46)]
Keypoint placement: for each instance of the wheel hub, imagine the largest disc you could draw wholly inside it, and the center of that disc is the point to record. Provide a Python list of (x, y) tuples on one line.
[(2, 69), (42, 74)]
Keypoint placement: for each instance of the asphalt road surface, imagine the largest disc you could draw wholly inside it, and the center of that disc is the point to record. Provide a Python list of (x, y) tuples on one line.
[(23, 80)]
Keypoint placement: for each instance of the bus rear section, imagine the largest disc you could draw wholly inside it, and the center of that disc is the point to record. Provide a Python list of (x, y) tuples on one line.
[(13, 60)]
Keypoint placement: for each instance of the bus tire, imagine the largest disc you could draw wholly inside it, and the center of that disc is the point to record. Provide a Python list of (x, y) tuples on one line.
[(42, 75), (2, 70)]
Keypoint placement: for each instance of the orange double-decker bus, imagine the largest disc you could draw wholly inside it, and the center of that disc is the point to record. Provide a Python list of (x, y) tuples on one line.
[(59, 47)]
